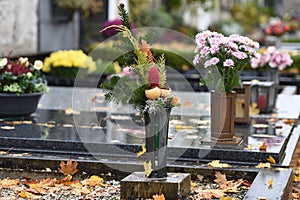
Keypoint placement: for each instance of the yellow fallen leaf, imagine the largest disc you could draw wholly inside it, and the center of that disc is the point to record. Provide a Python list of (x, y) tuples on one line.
[(93, 181), (263, 165), (7, 127), (271, 160), (225, 198), (28, 195), (147, 168), (70, 111), (193, 184), (270, 183), (159, 197), (262, 198), (143, 150), (216, 163), (253, 110)]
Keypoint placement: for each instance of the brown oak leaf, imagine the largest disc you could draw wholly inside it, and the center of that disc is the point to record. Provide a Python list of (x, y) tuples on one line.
[(68, 168)]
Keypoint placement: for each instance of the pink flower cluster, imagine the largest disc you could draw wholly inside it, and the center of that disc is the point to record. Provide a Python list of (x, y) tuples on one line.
[(272, 57), (216, 49)]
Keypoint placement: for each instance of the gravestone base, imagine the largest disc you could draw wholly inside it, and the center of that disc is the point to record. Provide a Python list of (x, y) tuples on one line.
[(234, 142), (174, 186)]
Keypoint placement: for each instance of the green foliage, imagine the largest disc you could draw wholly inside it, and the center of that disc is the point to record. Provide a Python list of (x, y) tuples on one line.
[(124, 16), (87, 7), (162, 71), (159, 18), (23, 83), (125, 91), (296, 63)]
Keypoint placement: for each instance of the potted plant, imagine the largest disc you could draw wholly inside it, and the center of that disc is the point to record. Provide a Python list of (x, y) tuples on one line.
[(21, 86), (143, 86), (62, 66), (222, 58)]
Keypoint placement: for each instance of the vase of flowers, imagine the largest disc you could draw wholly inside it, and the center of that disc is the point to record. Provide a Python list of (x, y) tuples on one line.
[(274, 61), (143, 86), (21, 86), (222, 58)]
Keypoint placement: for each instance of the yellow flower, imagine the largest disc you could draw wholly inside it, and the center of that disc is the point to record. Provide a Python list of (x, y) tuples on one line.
[(68, 59)]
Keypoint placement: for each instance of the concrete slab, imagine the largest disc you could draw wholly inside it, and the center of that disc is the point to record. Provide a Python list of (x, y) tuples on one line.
[(174, 186)]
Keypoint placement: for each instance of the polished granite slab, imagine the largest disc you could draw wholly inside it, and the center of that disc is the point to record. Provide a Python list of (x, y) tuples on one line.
[(95, 127)]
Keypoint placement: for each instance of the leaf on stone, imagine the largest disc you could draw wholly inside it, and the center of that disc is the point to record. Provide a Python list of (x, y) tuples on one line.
[(147, 168), (220, 178), (262, 198), (7, 183), (93, 181), (263, 165), (70, 111), (28, 195), (210, 193), (7, 127), (271, 160), (200, 177), (217, 164), (143, 150), (253, 110), (270, 183), (159, 197), (226, 198), (68, 168), (263, 147), (288, 121)]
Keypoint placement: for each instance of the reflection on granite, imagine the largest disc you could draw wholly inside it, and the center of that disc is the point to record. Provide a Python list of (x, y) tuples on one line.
[(96, 125)]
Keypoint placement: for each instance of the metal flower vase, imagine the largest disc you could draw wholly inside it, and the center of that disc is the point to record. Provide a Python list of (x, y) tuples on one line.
[(156, 127), (273, 75), (222, 115)]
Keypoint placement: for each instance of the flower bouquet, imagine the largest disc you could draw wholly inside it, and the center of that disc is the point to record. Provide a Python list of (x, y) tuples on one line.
[(143, 85), (271, 57), (274, 61), (222, 58), (21, 86)]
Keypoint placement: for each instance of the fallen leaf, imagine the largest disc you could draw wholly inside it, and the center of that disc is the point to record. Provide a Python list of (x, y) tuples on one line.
[(193, 184), (210, 193), (263, 165), (70, 111), (68, 168), (159, 197), (7, 127), (289, 121), (270, 183), (28, 195), (217, 164), (253, 110), (200, 177), (93, 181), (271, 160), (143, 150), (147, 168), (220, 178), (7, 183), (225, 198), (263, 147), (262, 198)]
